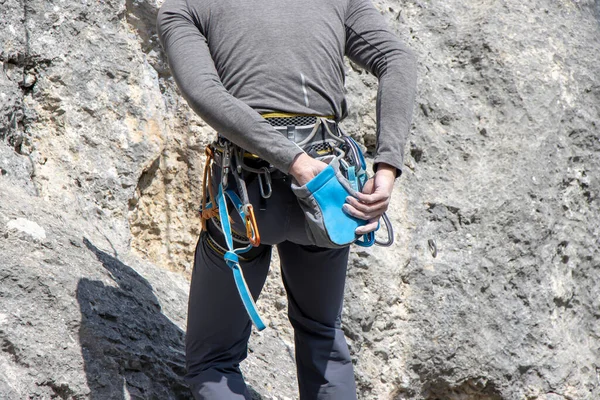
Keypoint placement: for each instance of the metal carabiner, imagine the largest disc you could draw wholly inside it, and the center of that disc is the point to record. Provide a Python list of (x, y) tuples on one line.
[(251, 227), (344, 166), (225, 163), (355, 153), (390, 232), (267, 174), (340, 153)]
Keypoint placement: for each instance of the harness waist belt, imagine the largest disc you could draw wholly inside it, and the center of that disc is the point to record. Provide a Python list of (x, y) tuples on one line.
[(316, 143)]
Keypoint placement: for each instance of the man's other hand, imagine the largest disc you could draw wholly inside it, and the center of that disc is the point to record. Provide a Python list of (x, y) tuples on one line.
[(304, 168), (374, 199)]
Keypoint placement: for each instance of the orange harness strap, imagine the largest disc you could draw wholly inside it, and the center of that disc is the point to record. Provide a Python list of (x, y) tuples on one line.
[(207, 186)]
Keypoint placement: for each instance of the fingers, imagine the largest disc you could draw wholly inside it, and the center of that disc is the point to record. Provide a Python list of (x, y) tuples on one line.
[(304, 168), (366, 211), (372, 202), (373, 197), (369, 227)]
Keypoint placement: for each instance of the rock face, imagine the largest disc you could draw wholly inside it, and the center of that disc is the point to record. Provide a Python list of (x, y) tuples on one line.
[(490, 292), (78, 321)]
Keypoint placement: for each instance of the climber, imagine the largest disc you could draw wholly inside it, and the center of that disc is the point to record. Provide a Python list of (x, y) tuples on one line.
[(263, 74)]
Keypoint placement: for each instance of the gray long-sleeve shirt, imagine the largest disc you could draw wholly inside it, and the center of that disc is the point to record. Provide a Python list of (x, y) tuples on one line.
[(236, 59)]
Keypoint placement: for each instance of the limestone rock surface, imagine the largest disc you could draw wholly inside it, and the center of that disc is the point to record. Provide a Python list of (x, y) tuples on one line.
[(491, 291)]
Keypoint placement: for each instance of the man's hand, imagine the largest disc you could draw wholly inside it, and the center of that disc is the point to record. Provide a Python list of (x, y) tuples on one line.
[(304, 168), (374, 199)]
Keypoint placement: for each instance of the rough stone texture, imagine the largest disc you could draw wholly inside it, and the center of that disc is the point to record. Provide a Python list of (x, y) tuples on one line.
[(78, 319), (504, 181), (490, 292)]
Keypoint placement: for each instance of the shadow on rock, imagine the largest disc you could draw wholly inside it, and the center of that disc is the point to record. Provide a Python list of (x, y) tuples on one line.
[(130, 349)]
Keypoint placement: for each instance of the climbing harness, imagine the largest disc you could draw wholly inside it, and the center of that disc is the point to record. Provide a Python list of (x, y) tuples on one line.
[(345, 175)]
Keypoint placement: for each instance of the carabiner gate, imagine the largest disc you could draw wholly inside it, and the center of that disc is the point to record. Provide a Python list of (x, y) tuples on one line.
[(265, 194), (251, 226)]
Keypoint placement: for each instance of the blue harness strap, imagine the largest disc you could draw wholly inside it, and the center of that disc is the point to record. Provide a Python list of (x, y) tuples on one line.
[(231, 256)]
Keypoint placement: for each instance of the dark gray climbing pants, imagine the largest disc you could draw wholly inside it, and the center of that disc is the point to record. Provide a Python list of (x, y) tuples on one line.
[(219, 328)]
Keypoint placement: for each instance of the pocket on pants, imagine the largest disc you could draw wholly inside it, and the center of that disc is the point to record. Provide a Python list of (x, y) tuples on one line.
[(322, 200)]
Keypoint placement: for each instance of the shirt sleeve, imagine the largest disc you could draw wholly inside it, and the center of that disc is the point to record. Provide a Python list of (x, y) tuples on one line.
[(371, 44), (181, 35)]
